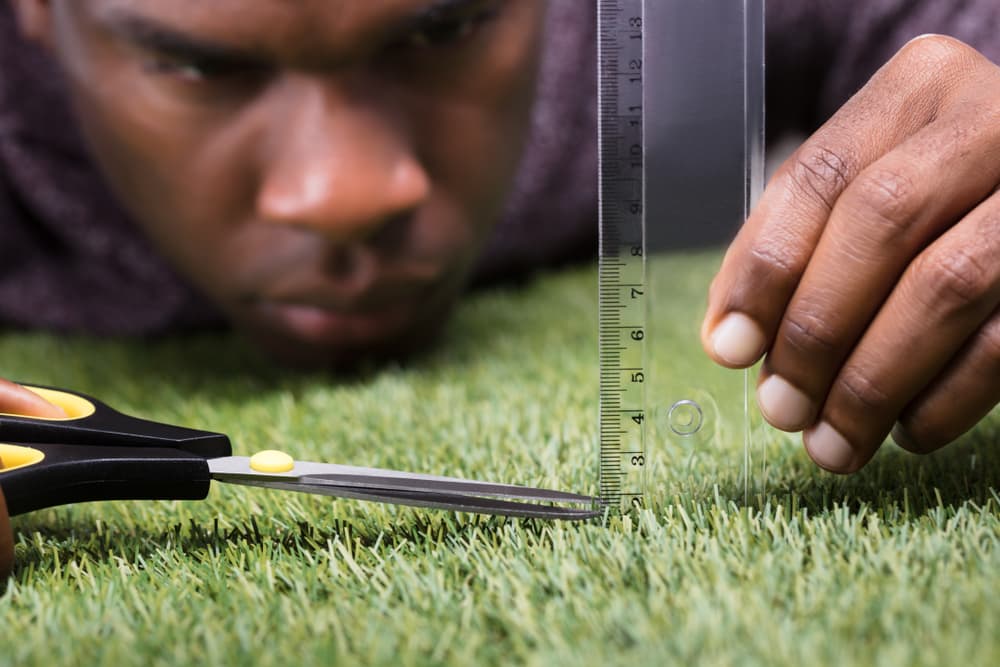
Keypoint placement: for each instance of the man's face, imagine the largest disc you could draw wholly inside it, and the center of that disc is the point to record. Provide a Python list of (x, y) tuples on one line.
[(326, 171)]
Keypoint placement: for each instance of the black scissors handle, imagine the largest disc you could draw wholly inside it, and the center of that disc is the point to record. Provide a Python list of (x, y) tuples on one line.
[(92, 422), (98, 453), (77, 473)]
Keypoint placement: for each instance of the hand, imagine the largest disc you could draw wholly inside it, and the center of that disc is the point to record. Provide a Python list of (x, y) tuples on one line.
[(15, 399), (870, 272), (6, 541)]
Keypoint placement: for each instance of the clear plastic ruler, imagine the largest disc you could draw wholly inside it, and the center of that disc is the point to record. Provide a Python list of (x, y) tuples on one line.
[(754, 105), (667, 69), (621, 256)]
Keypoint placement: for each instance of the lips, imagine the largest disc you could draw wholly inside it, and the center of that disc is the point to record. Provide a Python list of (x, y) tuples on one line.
[(335, 297), (317, 325), (309, 303), (329, 315)]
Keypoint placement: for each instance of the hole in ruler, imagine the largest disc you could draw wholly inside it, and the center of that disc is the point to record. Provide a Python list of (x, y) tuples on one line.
[(685, 417)]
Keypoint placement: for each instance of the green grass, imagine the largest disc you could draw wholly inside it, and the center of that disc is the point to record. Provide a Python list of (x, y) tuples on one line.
[(895, 566)]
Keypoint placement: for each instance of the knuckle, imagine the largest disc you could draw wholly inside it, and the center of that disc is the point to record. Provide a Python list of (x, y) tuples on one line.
[(863, 391), (888, 195), (776, 259), (809, 334), (952, 280), (821, 173), (933, 52), (937, 66)]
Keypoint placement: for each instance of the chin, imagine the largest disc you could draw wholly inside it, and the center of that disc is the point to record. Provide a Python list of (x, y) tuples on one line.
[(310, 356)]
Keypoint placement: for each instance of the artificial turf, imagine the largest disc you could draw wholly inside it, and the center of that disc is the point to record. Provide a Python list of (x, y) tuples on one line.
[(897, 565)]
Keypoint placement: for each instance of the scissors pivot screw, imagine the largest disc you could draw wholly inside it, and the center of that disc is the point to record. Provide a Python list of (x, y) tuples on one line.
[(271, 460)]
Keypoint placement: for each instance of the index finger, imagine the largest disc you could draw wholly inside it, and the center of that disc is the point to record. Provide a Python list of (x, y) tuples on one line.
[(17, 400)]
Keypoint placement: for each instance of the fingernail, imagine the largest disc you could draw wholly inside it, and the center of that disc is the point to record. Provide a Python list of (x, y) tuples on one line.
[(784, 406), (903, 439), (738, 340), (829, 449)]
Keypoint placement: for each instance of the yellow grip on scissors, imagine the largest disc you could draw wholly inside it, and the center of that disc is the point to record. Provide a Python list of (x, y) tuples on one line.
[(15, 456), (75, 407)]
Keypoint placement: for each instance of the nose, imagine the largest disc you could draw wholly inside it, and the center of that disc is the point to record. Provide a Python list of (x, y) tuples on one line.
[(340, 168)]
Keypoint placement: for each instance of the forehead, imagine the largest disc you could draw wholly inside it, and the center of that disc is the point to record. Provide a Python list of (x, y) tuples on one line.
[(291, 27)]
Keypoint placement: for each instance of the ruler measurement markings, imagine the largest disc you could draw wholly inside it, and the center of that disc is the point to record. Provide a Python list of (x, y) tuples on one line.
[(621, 273)]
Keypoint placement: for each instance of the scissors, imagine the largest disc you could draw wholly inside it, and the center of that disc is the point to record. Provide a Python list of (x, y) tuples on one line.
[(98, 453)]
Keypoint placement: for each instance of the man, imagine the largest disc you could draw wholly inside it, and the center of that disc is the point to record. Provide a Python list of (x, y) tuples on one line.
[(328, 176)]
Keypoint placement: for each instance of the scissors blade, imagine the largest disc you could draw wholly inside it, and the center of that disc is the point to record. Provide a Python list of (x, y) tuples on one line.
[(473, 504), (394, 486), (458, 487)]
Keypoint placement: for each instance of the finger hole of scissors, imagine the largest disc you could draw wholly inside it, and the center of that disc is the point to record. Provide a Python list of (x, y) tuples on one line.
[(15, 456), (75, 407)]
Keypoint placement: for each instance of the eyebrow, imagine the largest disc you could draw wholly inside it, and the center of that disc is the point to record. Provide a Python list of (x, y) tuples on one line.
[(440, 8), (153, 35)]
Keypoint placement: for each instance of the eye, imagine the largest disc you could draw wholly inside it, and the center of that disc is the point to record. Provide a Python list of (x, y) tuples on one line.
[(188, 71), (442, 32), (200, 71), (446, 29)]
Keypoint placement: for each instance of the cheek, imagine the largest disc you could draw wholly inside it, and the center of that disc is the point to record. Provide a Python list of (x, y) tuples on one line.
[(172, 174), (150, 154)]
